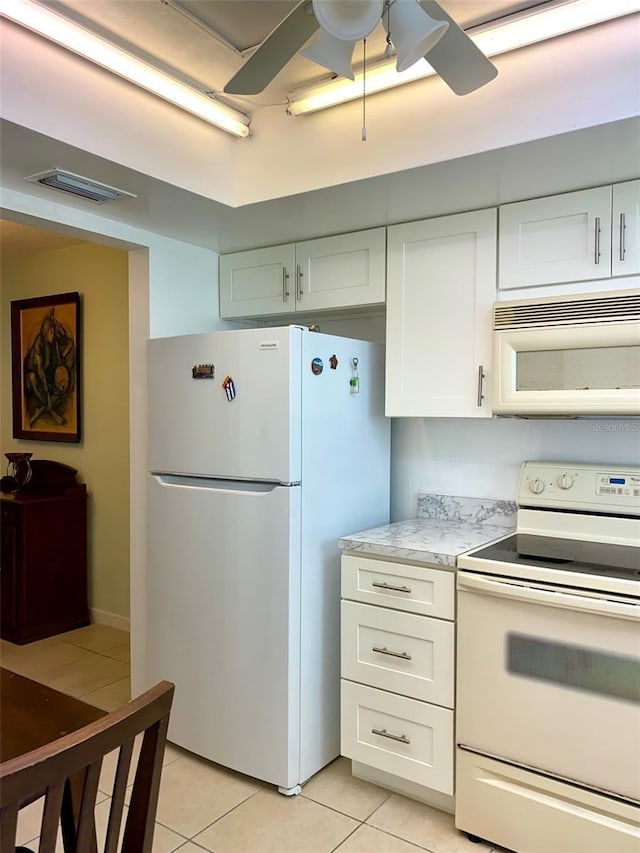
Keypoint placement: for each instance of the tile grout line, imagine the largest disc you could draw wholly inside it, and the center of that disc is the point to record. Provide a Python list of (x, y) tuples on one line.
[(232, 809)]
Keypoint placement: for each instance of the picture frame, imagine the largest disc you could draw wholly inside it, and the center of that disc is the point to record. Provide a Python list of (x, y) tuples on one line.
[(45, 367)]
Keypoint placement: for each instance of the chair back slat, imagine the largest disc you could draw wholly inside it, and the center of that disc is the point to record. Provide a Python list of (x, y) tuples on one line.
[(138, 832), (68, 769), (117, 797), (51, 818), (9, 818), (86, 819)]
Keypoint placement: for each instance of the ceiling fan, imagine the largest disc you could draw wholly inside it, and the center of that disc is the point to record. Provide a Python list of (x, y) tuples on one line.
[(414, 28)]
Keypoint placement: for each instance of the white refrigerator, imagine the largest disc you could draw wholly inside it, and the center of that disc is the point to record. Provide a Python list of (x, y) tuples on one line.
[(265, 446)]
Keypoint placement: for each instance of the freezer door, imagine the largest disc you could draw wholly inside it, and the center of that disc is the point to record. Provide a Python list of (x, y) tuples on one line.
[(250, 430), (224, 620)]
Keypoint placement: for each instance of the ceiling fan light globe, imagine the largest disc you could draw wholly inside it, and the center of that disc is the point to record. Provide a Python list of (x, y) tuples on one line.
[(413, 31), (331, 53), (350, 20)]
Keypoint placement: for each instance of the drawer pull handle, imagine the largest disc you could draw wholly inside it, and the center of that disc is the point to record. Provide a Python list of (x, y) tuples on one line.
[(389, 586), (385, 651), (299, 275), (385, 733)]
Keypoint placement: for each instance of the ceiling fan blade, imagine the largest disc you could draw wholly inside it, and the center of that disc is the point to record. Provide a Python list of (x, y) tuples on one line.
[(462, 65), (274, 52)]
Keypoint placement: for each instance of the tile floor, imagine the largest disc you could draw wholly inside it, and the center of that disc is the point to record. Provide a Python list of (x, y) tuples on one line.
[(203, 806)]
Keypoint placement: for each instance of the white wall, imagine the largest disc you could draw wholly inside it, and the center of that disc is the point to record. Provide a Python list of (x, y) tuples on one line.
[(482, 458)]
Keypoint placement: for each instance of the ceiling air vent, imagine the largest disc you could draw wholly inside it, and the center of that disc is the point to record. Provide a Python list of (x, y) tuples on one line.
[(78, 185)]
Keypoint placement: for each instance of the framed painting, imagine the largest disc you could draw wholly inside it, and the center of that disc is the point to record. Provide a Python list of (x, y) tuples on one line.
[(45, 361)]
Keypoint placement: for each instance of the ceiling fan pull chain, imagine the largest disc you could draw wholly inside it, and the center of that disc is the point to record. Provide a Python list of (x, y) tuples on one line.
[(364, 92)]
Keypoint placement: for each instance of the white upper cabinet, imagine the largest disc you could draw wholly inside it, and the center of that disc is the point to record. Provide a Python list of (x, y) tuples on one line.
[(341, 271), (441, 285), (555, 239), (626, 229), (257, 282), (344, 271)]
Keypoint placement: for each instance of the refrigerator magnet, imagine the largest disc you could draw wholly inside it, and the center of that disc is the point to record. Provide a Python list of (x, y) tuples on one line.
[(229, 388), (333, 362), (317, 366), (203, 371)]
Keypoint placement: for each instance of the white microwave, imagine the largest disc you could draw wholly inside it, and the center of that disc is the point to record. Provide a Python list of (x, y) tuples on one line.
[(569, 355)]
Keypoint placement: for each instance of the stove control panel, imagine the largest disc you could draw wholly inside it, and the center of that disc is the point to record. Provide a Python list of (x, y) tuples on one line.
[(618, 484), (606, 489)]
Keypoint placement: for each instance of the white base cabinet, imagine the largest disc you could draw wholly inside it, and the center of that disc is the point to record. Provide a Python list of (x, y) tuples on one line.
[(441, 285), (344, 271), (398, 671)]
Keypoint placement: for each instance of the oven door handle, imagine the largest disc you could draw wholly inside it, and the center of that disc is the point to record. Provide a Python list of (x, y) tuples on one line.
[(535, 595)]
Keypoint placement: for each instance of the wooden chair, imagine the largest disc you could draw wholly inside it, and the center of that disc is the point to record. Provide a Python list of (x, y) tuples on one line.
[(66, 771)]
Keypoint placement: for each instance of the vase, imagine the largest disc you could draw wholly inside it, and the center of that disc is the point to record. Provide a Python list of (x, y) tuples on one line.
[(19, 470)]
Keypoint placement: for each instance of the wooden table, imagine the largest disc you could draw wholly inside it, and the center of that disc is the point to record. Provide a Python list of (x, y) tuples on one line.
[(32, 714)]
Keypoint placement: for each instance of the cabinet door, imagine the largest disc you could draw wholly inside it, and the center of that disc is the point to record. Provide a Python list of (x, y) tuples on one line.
[(341, 271), (441, 276), (626, 229), (257, 282), (556, 239)]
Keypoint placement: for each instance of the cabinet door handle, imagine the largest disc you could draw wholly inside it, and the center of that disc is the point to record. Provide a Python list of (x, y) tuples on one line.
[(596, 257), (481, 376), (381, 585), (385, 651), (298, 282), (285, 276), (385, 733), (623, 228)]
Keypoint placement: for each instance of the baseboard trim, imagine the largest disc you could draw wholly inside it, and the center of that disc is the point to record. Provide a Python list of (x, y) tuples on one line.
[(113, 620)]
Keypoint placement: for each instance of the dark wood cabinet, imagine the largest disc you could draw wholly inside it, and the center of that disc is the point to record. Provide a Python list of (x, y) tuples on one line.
[(43, 556)]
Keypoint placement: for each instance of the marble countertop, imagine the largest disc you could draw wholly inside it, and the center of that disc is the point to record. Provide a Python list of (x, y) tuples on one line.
[(447, 526)]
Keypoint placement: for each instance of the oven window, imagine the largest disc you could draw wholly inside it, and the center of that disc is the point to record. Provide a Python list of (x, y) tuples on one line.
[(578, 369), (578, 667)]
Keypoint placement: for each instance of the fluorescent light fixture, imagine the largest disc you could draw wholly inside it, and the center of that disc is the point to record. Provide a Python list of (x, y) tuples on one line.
[(538, 24), (101, 52)]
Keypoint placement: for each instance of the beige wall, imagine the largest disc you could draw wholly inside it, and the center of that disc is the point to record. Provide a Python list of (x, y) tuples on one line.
[(100, 275)]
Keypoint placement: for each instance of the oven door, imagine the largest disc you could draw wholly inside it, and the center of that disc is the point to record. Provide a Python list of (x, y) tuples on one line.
[(550, 680)]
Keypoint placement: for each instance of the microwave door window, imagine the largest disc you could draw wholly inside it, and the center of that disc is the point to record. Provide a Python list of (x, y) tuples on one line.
[(589, 369)]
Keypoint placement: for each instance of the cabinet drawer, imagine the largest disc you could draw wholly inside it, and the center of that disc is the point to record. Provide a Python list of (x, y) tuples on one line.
[(413, 740), (400, 652), (414, 589)]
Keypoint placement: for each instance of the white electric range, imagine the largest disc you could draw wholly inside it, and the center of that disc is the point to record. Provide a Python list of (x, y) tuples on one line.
[(548, 668)]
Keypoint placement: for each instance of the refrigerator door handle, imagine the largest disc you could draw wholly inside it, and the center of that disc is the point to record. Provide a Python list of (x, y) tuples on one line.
[(219, 484)]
